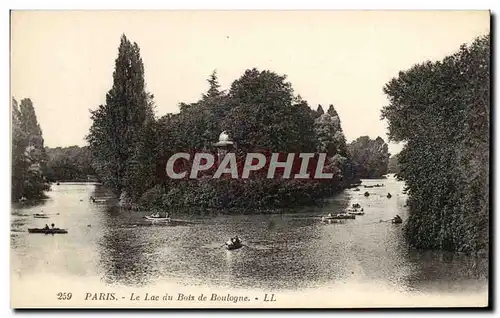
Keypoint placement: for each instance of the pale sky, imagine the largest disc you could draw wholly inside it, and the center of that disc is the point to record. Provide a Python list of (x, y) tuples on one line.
[(64, 60)]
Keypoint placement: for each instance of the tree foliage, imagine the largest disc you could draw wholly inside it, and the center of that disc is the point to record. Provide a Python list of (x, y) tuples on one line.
[(441, 110), (118, 125), (371, 156)]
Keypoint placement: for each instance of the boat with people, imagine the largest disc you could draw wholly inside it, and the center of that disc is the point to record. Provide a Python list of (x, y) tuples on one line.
[(48, 230), (234, 243), (338, 216), (397, 220), (157, 217)]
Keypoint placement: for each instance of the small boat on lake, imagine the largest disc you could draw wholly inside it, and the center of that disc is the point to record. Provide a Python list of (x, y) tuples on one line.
[(48, 231), (40, 215), (340, 216), (233, 244), (152, 218)]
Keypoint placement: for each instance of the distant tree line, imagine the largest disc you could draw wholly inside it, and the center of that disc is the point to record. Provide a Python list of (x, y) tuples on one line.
[(68, 164), (441, 110)]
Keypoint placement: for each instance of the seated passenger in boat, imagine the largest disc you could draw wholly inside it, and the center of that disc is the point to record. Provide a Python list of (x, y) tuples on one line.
[(46, 227)]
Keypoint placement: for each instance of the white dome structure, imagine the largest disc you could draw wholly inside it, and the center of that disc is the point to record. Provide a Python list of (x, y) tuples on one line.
[(224, 140)]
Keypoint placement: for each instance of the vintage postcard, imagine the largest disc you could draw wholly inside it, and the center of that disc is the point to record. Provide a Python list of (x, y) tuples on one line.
[(250, 159)]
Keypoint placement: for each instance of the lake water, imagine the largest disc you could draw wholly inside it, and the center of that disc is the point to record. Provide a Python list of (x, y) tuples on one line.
[(290, 252)]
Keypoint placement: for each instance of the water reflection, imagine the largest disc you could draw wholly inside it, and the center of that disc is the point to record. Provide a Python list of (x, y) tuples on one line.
[(292, 250)]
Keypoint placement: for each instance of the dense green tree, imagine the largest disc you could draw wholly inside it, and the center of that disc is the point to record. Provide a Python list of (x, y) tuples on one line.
[(370, 156), (198, 124), (267, 115), (68, 164), (28, 153), (214, 89), (441, 110), (393, 165), (329, 134), (118, 124), (330, 139)]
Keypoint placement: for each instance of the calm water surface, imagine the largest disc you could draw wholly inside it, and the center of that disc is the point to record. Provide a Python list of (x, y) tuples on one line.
[(290, 251)]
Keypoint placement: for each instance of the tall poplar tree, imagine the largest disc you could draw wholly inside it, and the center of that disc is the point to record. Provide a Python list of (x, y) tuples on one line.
[(117, 125)]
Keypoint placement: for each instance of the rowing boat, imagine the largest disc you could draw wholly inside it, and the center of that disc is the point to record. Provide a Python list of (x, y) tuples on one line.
[(48, 231), (233, 245), (159, 219), (356, 213)]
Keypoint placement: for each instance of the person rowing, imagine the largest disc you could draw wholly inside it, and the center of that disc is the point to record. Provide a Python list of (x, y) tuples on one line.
[(397, 219), (155, 215), (235, 240)]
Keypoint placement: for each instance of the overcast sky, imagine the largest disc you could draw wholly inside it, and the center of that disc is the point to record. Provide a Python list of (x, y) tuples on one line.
[(64, 60)]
